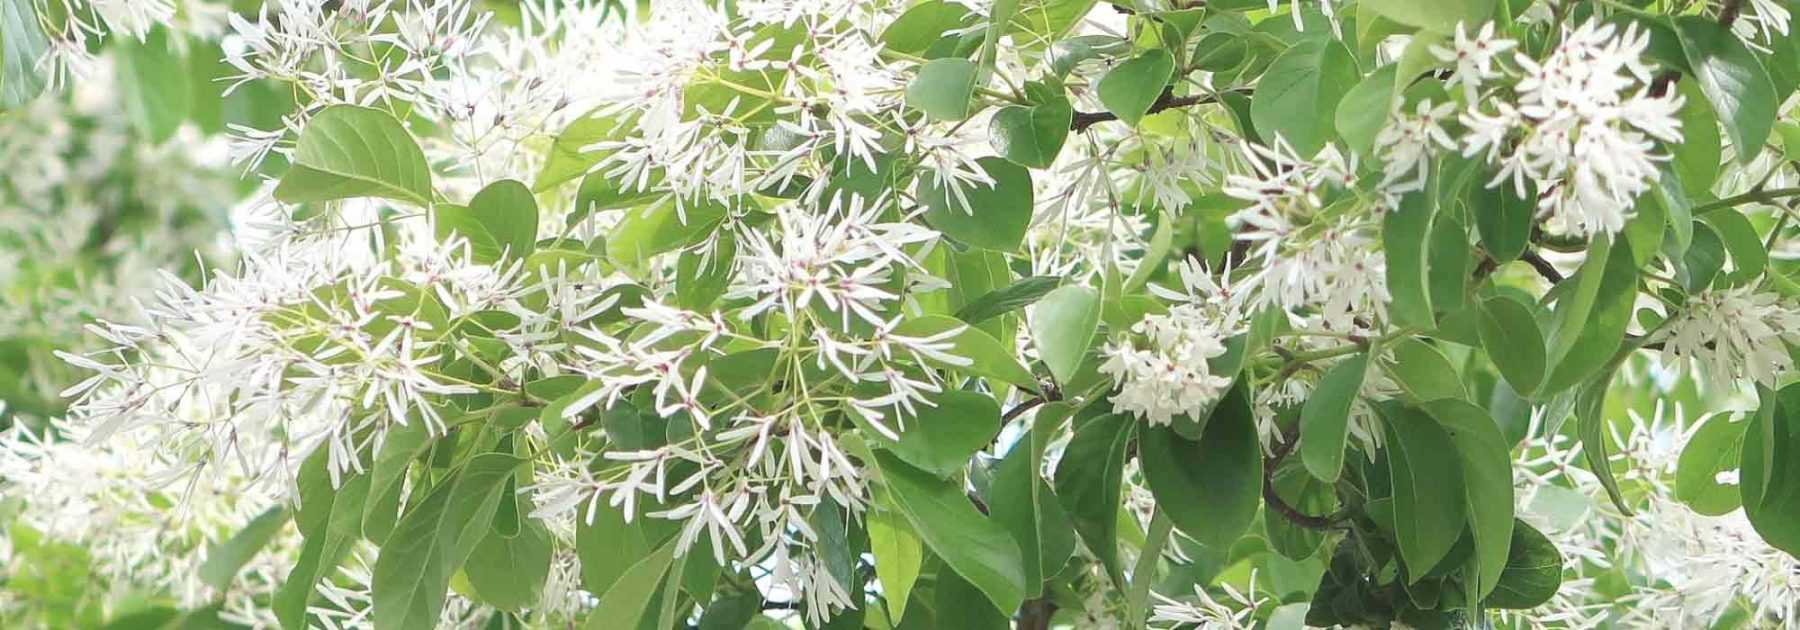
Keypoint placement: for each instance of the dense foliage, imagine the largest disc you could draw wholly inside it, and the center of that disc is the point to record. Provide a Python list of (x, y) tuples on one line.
[(899, 313)]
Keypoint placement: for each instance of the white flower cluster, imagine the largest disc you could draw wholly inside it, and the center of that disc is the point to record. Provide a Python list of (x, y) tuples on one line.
[(1314, 255), (1739, 333), (1580, 126), (1173, 374)]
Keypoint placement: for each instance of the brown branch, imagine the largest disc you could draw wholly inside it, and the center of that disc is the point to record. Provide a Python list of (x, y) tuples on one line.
[(1543, 267), (1660, 85), (1020, 408), (1289, 439), (1167, 101), (1729, 12), (1035, 614)]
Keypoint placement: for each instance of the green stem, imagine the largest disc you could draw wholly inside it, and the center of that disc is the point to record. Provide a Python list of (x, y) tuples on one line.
[(1764, 196), (1137, 601)]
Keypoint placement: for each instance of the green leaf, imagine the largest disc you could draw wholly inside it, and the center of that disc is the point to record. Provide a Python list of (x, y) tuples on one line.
[(921, 26), (609, 545), (1210, 488), (995, 217), (944, 434), (324, 543), (1533, 571), (1298, 96), (1423, 372), (1428, 488), (1600, 327), (509, 573), (225, 559), (1714, 448), (1325, 419), (1704, 258), (1062, 327), (944, 89), (1022, 502), (1590, 404), (501, 219), (1365, 108), (1088, 479), (988, 358), (348, 151), (975, 547), (628, 603), (1031, 136), (402, 445), (702, 275), (1487, 484), (1403, 234), (898, 557), (1732, 80), (1020, 294), (1131, 88), (661, 227), (1440, 17), (22, 45), (412, 573), (154, 85), (960, 605), (1510, 335), (1503, 219), (1748, 258), (1770, 470), (1696, 157), (567, 158)]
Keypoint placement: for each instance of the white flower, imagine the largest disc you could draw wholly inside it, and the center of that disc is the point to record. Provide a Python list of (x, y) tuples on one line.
[(1586, 121), (1172, 374), (1473, 56), (1407, 144), (1735, 334)]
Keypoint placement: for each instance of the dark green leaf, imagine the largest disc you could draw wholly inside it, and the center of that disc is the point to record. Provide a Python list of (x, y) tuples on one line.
[(1510, 335), (1487, 484), (501, 219), (402, 445), (1770, 472), (1004, 300), (1365, 108), (1209, 488), (1088, 481), (944, 434), (898, 556), (412, 573), (225, 559), (1533, 571), (974, 546), (1428, 489), (990, 359), (628, 603), (1732, 80), (1022, 502), (1585, 342), (1441, 17)]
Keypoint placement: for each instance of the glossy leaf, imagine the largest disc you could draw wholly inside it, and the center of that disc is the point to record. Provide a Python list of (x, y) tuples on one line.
[(1487, 479), (1031, 136), (1088, 482), (502, 219), (1426, 474), (974, 546), (945, 432), (1210, 488), (944, 89), (1533, 571), (1712, 449), (1732, 80)]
